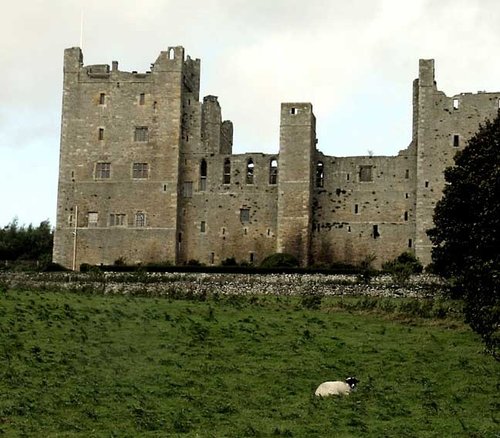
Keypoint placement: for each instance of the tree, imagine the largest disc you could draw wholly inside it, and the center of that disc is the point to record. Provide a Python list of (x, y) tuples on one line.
[(467, 230)]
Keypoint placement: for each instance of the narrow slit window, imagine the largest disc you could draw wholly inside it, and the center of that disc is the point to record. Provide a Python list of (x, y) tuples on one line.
[(212, 258), (252, 257), (100, 134), (102, 99), (375, 233), (347, 176), (407, 173), (356, 208), (456, 103), (427, 184), (410, 243), (456, 140), (406, 216), (320, 174), (250, 171), (293, 111), (227, 172), (142, 99), (203, 175), (203, 226), (273, 171)]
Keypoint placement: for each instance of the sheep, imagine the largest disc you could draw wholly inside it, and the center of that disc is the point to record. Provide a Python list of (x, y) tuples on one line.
[(337, 388)]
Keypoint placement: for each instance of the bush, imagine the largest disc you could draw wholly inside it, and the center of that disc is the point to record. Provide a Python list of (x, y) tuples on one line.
[(366, 271), (280, 260), (402, 268), (230, 261)]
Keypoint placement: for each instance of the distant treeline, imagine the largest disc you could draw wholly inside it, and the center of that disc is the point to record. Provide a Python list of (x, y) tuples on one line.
[(19, 243)]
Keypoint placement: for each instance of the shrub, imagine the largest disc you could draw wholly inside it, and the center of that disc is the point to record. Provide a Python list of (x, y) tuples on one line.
[(402, 268), (366, 270), (280, 260), (230, 261)]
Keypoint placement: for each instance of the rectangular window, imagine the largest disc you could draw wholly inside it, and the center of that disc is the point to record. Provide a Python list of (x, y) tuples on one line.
[(293, 111), (456, 140), (141, 133), (103, 170), (187, 189), (100, 136), (117, 220), (410, 243), (203, 226), (102, 99), (375, 233), (140, 170), (92, 219), (142, 99), (252, 257), (365, 173), (356, 208), (407, 173), (406, 216), (140, 219), (456, 103), (244, 215), (212, 258)]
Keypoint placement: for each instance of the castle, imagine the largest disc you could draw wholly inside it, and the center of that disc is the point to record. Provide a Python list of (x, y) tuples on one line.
[(147, 174)]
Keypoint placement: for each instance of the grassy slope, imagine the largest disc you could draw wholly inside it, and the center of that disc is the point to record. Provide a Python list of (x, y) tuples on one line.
[(93, 365)]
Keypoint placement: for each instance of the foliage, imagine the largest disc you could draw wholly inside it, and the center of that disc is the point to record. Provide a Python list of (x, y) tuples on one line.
[(366, 270), (230, 261), (20, 243), (403, 267), (109, 365), (466, 235), (280, 260)]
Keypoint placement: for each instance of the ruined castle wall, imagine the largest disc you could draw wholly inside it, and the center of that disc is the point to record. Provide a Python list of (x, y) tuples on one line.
[(445, 124), (363, 206), (229, 214)]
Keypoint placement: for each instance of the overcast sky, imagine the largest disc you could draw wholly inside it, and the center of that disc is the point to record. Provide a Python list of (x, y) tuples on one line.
[(353, 60)]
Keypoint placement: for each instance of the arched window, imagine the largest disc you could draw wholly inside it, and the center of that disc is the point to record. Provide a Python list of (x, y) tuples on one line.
[(226, 179), (250, 169), (273, 171), (203, 175), (320, 174)]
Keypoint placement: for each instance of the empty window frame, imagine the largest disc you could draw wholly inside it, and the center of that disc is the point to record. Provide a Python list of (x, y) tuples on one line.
[(320, 174), (140, 170), (250, 171), (212, 258), (244, 215), (203, 175), (92, 218), (456, 140), (366, 173), (294, 111), (407, 173), (187, 189), (142, 99), (102, 99), (103, 170), (406, 216), (140, 219), (203, 226), (141, 133), (410, 243), (226, 178), (251, 257), (100, 134), (456, 103), (356, 208), (375, 232), (273, 171), (117, 220)]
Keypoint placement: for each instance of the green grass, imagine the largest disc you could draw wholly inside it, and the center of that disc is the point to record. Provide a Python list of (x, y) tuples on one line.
[(114, 366)]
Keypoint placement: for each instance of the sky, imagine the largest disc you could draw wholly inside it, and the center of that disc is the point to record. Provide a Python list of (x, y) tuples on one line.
[(354, 60)]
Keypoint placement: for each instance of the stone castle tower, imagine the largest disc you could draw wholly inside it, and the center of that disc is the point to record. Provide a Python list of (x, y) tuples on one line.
[(147, 174)]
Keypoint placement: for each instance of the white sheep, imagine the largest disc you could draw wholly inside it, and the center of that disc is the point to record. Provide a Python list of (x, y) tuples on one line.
[(337, 387)]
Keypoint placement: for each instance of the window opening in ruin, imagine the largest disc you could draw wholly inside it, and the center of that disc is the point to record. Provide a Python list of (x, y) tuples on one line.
[(349, 229), (142, 99), (245, 231), (456, 140), (320, 174), (100, 135), (203, 175), (70, 220), (407, 195), (102, 99), (212, 258), (410, 243), (140, 219), (187, 189), (203, 226), (273, 171), (103, 170), (117, 220), (269, 231), (92, 219), (365, 173), (406, 215), (141, 133), (223, 231), (171, 54), (293, 111), (376, 234), (252, 257), (227, 172), (407, 173), (179, 238), (244, 215), (140, 170), (426, 184), (356, 208), (164, 187), (347, 176), (456, 103), (250, 171), (155, 104)]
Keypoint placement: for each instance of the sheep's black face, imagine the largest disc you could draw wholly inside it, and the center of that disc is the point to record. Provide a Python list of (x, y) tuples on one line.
[(352, 382)]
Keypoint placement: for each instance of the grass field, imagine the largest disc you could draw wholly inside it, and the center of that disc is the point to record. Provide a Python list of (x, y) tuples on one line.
[(115, 366)]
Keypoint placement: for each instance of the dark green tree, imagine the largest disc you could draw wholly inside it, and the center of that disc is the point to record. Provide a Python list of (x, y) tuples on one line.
[(467, 229)]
